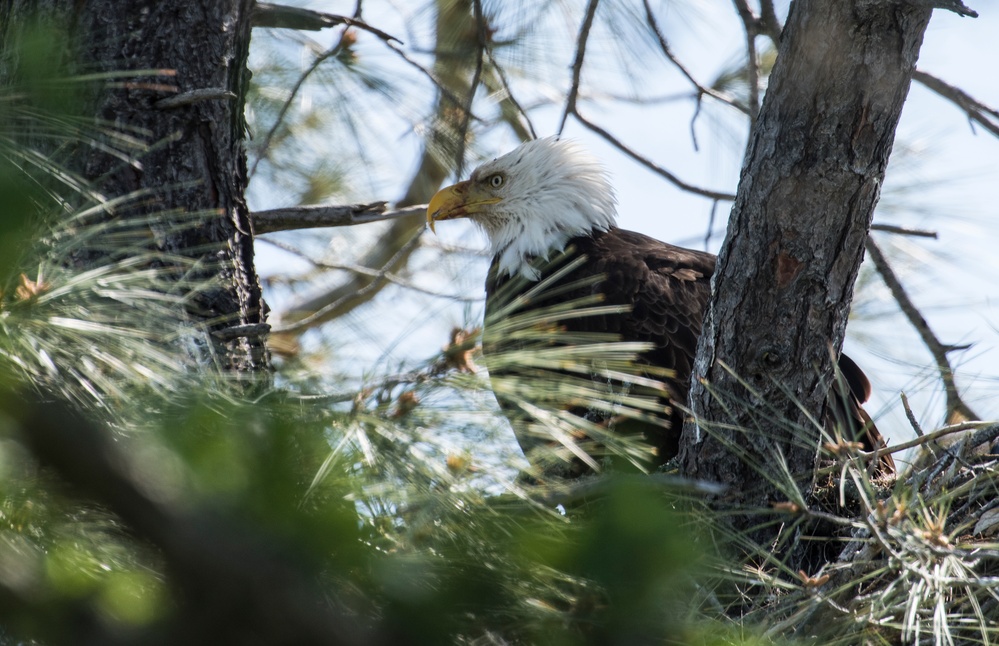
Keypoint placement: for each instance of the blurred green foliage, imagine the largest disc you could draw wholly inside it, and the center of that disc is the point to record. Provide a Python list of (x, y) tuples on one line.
[(356, 499)]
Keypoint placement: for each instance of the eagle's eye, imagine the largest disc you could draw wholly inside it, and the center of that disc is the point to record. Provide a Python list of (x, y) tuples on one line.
[(495, 180)]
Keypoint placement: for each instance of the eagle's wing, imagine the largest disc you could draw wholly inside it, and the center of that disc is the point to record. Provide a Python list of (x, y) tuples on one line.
[(846, 400), (667, 289), (664, 291)]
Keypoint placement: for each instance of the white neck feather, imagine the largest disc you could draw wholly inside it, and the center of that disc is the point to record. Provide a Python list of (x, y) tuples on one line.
[(555, 191)]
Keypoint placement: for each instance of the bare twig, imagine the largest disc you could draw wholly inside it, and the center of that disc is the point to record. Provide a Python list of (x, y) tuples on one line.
[(376, 283), (372, 273), (911, 416), (752, 29), (918, 441), (701, 89), (977, 111), (679, 183), (266, 143), (194, 96), (480, 47), (905, 231), (956, 408), (768, 23), (445, 91), (711, 224), (340, 215), (512, 117), (577, 63), (956, 6), (278, 16)]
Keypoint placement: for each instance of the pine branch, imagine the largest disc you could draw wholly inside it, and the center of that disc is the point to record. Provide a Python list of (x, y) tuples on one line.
[(221, 568)]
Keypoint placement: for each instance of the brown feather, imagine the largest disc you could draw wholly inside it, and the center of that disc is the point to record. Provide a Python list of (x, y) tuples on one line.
[(666, 290)]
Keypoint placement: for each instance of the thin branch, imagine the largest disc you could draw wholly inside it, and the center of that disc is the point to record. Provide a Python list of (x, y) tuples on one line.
[(278, 16), (664, 46), (518, 110), (905, 231), (955, 405), (924, 439), (441, 87), (956, 6), (905, 446), (327, 311), (911, 416), (372, 273), (768, 23), (711, 224), (480, 48), (340, 215), (194, 96), (977, 111), (751, 25), (266, 144), (577, 64), (714, 195)]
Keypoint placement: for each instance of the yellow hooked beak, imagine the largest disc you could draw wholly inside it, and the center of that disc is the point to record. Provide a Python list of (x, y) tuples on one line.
[(457, 201)]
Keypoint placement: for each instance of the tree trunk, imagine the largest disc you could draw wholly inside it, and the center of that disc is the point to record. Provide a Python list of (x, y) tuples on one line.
[(195, 162), (811, 178)]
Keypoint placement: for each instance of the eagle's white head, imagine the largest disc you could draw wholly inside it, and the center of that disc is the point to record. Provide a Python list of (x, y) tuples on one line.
[(531, 201)]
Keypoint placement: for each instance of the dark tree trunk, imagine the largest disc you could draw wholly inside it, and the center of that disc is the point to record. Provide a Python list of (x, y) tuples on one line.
[(811, 178), (195, 162)]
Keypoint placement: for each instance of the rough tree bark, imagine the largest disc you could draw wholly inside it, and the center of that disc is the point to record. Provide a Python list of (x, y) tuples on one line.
[(195, 161), (810, 180)]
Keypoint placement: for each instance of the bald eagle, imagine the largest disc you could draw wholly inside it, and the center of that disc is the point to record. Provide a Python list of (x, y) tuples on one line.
[(548, 202)]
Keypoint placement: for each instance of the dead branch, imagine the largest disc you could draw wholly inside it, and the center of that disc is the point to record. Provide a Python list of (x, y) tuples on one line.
[(956, 408), (977, 111), (577, 63), (668, 53), (676, 181), (751, 27), (317, 61), (904, 231), (327, 215), (956, 6), (276, 16)]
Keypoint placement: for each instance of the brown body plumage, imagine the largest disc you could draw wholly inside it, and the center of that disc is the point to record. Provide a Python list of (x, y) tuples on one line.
[(665, 292), (548, 199)]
